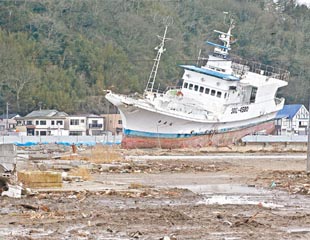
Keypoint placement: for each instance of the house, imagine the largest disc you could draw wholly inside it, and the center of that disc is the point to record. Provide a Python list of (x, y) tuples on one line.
[(292, 119), (8, 123), (44, 123), (76, 125), (95, 125), (113, 123), (82, 125)]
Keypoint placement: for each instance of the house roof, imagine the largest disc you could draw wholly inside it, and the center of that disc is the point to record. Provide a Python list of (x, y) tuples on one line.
[(46, 113), (10, 116), (288, 111)]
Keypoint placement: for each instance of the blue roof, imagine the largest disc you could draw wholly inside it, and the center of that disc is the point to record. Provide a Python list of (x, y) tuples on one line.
[(288, 111), (210, 72), (217, 45)]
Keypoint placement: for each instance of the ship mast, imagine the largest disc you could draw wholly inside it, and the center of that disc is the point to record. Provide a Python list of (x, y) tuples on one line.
[(160, 49), (222, 50)]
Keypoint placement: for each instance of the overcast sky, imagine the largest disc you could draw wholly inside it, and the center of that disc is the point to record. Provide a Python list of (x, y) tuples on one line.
[(307, 2)]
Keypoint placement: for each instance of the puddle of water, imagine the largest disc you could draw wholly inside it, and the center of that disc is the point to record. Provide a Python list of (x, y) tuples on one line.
[(237, 200), (223, 189), (297, 230), (16, 231), (235, 194)]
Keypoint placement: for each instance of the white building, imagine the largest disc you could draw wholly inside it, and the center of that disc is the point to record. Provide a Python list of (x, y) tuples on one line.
[(77, 125), (44, 123), (292, 119), (82, 125), (95, 125), (8, 123)]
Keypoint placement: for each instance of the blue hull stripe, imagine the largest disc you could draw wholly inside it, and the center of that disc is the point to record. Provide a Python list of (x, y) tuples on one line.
[(135, 133)]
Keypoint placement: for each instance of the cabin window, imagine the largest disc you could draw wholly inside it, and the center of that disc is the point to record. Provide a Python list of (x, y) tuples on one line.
[(207, 91), (190, 87), (219, 94), (225, 95), (212, 92), (196, 87), (201, 89), (253, 95), (185, 85)]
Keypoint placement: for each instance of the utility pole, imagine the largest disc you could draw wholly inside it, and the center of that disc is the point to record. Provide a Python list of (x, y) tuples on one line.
[(308, 150), (7, 116)]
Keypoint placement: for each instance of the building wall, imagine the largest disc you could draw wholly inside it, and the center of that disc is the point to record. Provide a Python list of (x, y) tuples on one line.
[(113, 123), (46, 126), (77, 125)]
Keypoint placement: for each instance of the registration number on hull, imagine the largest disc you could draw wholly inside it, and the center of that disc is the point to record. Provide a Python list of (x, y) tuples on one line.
[(242, 109)]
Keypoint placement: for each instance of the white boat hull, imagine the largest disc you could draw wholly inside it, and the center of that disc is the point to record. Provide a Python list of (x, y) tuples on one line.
[(150, 127)]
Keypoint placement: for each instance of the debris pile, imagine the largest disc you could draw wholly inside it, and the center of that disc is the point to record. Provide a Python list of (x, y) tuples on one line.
[(295, 182)]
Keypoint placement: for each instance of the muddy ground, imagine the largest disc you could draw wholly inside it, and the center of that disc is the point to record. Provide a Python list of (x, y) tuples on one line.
[(220, 198)]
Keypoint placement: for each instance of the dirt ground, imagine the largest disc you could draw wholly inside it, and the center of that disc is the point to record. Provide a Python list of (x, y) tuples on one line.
[(220, 198)]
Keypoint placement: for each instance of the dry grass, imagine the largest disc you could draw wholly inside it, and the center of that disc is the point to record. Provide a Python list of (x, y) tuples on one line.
[(136, 186), (104, 154), (74, 157), (80, 172)]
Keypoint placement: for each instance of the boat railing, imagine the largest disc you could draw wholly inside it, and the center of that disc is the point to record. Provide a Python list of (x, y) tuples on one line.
[(172, 88), (278, 100), (241, 66)]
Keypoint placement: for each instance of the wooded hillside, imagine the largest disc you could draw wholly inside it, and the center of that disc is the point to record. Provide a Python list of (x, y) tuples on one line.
[(62, 54)]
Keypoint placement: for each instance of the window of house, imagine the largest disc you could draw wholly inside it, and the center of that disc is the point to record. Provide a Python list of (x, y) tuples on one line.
[(212, 92), (119, 121), (185, 85), (207, 91), (218, 94), (37, 122), (29, 122), (75, 133), (190, 86), (53, 122), (196, 87), (59, 122), (82, 121), (37, 133), (201, 89), (43, 133), (74, 121), (43, 122)]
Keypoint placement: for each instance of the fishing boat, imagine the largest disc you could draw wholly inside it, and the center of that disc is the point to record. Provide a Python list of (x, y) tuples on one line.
[(221, 99)]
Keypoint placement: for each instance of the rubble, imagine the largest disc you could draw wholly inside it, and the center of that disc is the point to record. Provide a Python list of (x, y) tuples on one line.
[(111, 197)]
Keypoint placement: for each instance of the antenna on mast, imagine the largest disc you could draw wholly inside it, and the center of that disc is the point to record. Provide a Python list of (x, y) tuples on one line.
[(160, 50)]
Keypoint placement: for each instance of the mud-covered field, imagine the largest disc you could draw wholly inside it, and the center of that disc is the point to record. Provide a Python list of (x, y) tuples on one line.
[(218, 198)]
